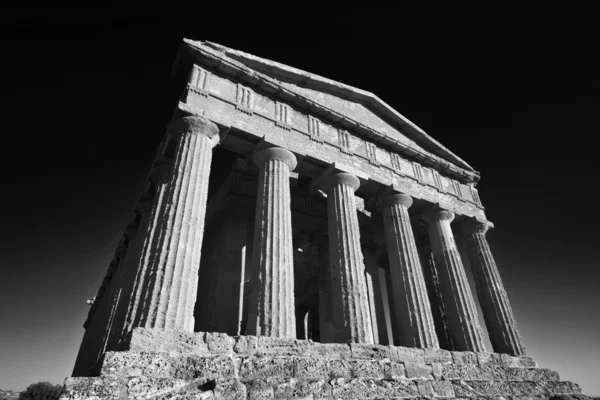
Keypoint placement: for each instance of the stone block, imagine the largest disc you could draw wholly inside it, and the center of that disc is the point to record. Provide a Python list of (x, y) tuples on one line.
[(230, 389), (369, 351), (425, 389), (267, 367), (527, 362), (526, 374), (298, 389), (394, 370), (167, 340), (143, 387), (510, 361), (367, 369), (373, 389), (327, 350), (407, 354), (540, 388), (260, 389), (435, 388), (129, 363), (439, 356), (437, 370), (442, 388), (418, 371), (464, 357), (246, 345), (319, 368), (280, 347), (560, 387), (464, 388), (109, 388), (469, 372), (489, 359), (528, 389), (575, 387), (195, 367), (219, 343)]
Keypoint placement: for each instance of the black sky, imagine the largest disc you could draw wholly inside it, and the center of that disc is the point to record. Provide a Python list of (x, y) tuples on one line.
[(87, 95)]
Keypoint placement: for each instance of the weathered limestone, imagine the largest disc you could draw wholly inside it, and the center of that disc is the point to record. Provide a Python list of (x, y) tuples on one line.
[(272, 303), (165, 290), (411, 304), (461, 314), (497, 312), (177, 364), (434, 294), (346, 260)]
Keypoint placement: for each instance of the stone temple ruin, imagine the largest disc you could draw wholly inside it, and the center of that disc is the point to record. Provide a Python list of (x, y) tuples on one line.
[(326, 262)]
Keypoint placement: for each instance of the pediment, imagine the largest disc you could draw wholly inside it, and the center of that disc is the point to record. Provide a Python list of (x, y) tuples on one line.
[(358, 111)]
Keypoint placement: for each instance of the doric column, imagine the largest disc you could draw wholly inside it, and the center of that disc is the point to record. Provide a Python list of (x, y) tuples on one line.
[(497, 312), (353, 323), (438, 310), (165, 289), (461, 313), (411, 304), (272, 303)]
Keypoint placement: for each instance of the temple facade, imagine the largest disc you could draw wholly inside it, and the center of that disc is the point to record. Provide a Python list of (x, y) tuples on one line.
[(333, 220)]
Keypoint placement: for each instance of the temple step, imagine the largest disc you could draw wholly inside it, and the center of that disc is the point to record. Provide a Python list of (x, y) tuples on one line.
[(179, 365)]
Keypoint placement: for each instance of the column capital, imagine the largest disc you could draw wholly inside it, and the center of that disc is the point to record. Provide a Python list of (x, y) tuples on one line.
[(472, 225), (340, 178), (397, 198), (439, 214), (193, 125), (275, 153)]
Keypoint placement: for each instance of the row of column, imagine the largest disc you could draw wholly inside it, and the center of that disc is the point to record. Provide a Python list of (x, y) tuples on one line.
[(166, 283)]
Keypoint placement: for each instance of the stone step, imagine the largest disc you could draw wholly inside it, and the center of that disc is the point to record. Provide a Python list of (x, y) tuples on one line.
[(212, 343), (190, 366), (142, 387)]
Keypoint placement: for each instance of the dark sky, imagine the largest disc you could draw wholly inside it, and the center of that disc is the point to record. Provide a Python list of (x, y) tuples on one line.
[(87, 95)]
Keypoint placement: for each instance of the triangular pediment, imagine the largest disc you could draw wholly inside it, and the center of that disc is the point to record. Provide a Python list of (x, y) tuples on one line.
[(355, 109)]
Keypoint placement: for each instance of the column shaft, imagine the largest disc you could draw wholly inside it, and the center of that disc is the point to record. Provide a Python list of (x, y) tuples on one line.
[(497, 312), (345, 257), (165, 289), (272, 311), (411, 303), (438, 310), (461, 313)]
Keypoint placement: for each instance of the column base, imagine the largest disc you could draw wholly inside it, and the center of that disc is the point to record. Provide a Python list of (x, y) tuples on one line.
[(177, 364)]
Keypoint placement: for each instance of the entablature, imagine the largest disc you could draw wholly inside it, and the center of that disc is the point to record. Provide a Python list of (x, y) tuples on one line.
[(252, 117), (216, 63)]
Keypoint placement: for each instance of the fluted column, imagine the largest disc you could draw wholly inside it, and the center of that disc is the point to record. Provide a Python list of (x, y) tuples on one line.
[(272, 310), (165, 291), (411, 303), (497, 312), (461, 313), (353, 323)]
